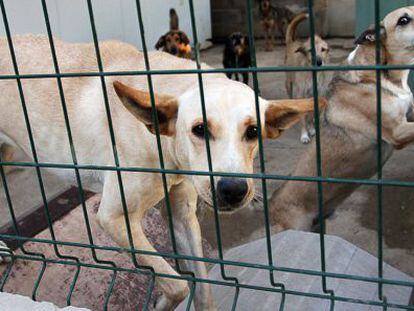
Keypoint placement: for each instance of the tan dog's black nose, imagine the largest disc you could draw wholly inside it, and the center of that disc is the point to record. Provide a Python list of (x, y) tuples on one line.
[(231, 191), (319, 61)]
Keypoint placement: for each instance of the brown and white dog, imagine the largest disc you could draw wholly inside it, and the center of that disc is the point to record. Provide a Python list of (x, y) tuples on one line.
[(298, 84), (349, 125), (231, 128), (175, 41)]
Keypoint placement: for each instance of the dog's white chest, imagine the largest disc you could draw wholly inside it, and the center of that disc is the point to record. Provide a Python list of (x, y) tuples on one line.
[(405, 100)]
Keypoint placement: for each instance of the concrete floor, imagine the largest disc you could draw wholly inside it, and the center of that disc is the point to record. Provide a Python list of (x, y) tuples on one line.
[(354, 221)]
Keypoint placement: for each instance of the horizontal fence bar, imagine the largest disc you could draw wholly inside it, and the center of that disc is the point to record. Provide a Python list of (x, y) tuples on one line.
[(221, 283), (213, 261), (205, 71), (362, 182)]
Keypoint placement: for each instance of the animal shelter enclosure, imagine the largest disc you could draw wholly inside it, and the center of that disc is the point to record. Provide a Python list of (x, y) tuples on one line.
[(94, 255)]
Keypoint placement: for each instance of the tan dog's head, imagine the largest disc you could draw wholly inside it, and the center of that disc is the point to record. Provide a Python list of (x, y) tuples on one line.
[(231, 130), (321, 50), (396, 37)]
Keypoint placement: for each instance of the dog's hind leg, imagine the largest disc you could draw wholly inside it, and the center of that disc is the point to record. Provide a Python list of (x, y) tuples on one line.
[(267, 37), (111, 217), (6, 155), (183, 199), (310, 124)]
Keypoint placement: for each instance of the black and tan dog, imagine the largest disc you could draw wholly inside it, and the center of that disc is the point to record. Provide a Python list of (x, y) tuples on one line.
[(175, 41), (237, 55), (273, 17)]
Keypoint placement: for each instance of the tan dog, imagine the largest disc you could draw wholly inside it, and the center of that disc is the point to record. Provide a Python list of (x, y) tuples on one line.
[(348, 134), (231, 127), (299, 84)]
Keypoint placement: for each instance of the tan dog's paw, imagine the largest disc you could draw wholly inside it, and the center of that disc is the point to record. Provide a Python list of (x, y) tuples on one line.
[(164, 304), (5, 258), (305, 138)]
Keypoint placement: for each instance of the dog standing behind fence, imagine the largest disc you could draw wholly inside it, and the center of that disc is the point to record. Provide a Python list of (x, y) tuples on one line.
[(231, 127), (299, 84), (349, 125), (273, 17), (236, 54), (175, 41)]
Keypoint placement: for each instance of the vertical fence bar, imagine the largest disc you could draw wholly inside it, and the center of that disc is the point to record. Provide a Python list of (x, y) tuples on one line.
[(157, 130), (159, 147), (209, 160), (318, 154), (379, 150), (252, 48), (146, 269), (73, 151)]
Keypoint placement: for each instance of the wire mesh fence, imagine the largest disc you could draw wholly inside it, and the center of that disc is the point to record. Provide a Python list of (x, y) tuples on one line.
[(262, 176)]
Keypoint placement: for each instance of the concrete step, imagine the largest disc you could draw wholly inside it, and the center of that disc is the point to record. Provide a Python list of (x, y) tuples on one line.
[(301, 250), (12, 302)]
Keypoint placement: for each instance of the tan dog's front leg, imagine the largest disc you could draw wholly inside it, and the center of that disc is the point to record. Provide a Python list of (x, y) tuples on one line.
[(183, 199), (112, 219), (7, 153)]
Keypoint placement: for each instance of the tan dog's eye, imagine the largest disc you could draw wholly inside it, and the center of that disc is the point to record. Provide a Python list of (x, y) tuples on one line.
[(325, 50), (404, 21), (199, 131), (252, 132)]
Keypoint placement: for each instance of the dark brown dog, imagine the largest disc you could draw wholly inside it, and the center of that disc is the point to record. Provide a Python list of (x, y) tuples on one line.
[(175, 41), (273, 17), (237, 55)]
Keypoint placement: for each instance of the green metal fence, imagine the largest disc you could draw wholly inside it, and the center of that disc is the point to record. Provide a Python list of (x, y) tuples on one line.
[(262, 175)]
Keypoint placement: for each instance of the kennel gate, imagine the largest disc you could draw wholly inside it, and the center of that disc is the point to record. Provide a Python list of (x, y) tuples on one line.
[(263, 176)]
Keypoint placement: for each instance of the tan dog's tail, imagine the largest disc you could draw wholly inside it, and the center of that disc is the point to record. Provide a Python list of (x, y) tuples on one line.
[(174, 22), (291, 30)]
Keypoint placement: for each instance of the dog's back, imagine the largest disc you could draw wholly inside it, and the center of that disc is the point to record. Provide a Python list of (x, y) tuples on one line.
[(83, 97)]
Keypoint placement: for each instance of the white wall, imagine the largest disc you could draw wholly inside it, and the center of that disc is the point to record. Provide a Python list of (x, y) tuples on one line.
[(114, 19)]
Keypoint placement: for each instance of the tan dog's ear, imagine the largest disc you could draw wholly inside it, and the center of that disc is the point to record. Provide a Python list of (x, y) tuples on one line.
[(369, 35), (139, 104), (282, 114)]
